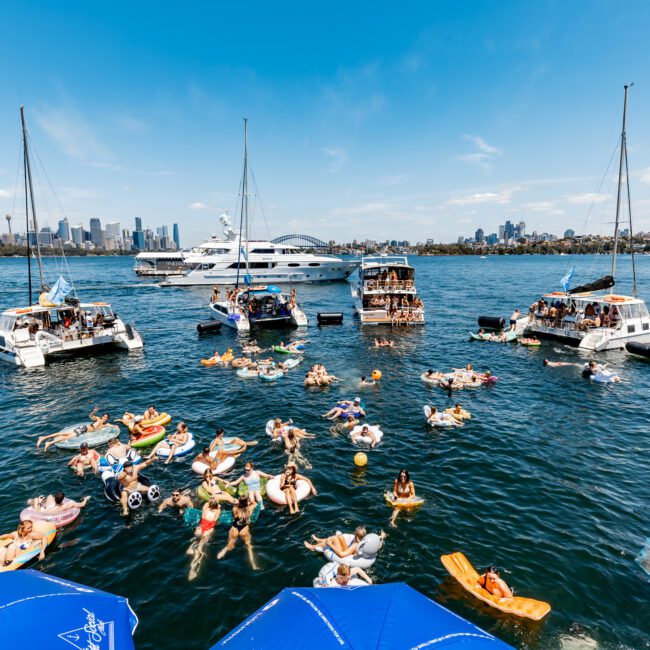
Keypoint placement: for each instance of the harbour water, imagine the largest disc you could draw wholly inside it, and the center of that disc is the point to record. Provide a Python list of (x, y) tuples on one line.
[(550, 480)]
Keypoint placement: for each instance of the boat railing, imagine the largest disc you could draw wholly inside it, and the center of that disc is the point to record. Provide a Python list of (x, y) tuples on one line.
[(400, 260), (389, 285), (59, 335), (570, 323)]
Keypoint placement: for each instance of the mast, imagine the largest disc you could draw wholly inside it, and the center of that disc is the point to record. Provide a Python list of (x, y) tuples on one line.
[(245, 189), (28, 174), (620, 182), (629, 210), (29, 250)]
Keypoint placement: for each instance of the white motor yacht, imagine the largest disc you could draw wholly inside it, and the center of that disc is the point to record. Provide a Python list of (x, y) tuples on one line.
[(384, 292), (59, 323)]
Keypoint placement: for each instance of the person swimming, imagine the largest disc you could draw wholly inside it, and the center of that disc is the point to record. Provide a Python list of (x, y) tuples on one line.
[(494, 584)]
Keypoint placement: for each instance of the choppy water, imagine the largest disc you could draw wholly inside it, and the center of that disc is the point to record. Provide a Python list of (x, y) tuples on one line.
[(550, 481)]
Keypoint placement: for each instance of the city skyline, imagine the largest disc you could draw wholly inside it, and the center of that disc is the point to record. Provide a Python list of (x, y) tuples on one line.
[(412, 129)]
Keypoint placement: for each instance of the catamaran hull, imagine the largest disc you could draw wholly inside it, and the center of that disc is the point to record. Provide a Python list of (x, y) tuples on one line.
[(587, 341), (243, 324)]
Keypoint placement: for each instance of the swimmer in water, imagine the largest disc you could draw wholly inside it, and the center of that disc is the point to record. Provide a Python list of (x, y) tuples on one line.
[(177, 501), (252, 479), (493, 584), (240, 529)]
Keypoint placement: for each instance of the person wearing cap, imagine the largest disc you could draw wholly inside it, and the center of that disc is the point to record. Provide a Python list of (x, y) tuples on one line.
[(345, 408), (85, 459), (128, 479), (493, 584)]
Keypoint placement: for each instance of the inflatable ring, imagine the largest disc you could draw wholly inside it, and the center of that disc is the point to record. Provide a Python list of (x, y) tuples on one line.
[(403, 504), (366, 554), (276, 495), (278, 374), (160, 420), (209, 362), (93, 438), (223, 466), (327, 578), (429, 381), (366, 440), (58, 519), (151, 436), (181, 451), (246, 373), (269, 431), (34, 549)]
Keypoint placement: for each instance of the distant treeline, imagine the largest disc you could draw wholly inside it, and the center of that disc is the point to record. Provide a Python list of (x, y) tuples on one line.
[(533, 248), (21, 251)]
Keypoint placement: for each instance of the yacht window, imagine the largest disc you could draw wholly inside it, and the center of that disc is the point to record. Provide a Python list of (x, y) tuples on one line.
[(314, 264), (253, 265), (624, 310), (264, 251), (2, 341), (214, 251), (293, 264), (7, 323), (646, 326), (630, 328), (636, 311), (643, 310)]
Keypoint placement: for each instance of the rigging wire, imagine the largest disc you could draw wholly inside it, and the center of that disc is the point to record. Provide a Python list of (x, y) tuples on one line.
[(259, 198)]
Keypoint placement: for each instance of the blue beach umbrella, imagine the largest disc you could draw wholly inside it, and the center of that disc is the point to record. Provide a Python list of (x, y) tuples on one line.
[(41, 611), (380, 617)]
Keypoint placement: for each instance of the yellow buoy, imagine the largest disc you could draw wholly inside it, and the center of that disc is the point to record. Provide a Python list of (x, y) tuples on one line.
[(360, 459), (376, 375)]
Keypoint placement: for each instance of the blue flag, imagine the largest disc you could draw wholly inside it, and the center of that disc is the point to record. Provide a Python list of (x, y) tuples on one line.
[(566, 280), (59, 291), (248, 279)]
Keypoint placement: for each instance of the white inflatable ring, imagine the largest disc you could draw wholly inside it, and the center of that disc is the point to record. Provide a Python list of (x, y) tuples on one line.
[(327, 578), (367, 440), (223, 466), (276, 495), (180, 451), (59, 519), (269, 431), (429, 380), (604, 376), (358, 559)]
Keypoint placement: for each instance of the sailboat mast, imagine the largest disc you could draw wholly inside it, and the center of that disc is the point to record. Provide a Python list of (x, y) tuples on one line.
[(620, 183), (629, 210), (245, 189), (29, 250), (28, 173)]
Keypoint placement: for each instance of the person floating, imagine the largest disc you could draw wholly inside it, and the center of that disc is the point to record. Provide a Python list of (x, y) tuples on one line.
[(21, 540), (96, 422), (288, 483), (493, 584), (252, 479), (85, 459), (128, 479)]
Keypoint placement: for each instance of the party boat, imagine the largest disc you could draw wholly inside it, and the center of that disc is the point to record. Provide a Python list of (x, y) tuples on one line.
[(384, 292), (586, 317), (58, 323)]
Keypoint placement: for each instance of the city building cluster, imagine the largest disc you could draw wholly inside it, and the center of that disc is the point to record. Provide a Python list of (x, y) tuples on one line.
[(110, 237)]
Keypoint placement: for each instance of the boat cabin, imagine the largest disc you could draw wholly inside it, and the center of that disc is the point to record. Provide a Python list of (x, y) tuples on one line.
[(393, 275)]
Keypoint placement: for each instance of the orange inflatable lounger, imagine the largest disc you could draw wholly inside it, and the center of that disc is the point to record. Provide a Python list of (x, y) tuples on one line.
[(461, 569)]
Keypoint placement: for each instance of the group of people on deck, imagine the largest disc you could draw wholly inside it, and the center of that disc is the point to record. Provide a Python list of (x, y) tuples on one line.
[(572, 316), (68, 323), (399, 308)]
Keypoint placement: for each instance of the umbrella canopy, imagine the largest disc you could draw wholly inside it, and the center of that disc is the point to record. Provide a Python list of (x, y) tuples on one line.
[(39, 610), (380, 617)]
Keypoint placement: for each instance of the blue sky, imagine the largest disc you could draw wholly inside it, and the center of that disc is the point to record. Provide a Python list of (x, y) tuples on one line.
[(423, 120)]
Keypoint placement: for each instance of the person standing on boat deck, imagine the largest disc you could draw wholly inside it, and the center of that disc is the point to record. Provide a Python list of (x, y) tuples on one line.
[(516, 315)]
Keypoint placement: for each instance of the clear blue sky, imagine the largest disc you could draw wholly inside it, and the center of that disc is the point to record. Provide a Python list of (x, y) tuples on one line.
[(386, 120)]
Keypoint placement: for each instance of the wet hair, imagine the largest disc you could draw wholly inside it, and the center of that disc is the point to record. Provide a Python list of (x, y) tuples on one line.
[(220, 431), (23, 524), (242, 501), (360, 533), (214, 504), (249, 463), (363, 378), (58, 498), (406, 473), (83, 446), (430, 371), (206, 450), (546, 362), (343, 570), (206, 472)]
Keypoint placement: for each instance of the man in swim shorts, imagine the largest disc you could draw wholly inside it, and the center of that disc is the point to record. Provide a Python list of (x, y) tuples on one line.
[(85, 459), (128, 479)]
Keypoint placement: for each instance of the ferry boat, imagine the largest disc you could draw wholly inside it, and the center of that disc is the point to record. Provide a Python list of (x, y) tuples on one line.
[(261, 306), (58, 323), (220, 261), (250, 306), (384, 292), (587, 317)]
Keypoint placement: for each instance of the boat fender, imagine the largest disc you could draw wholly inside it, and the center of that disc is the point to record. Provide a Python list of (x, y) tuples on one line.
[(206, 328), (491, 322), (329, 318)]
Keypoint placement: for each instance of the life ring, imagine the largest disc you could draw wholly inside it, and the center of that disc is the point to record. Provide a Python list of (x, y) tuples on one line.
[(327, 578), (276, 495), (615, 298), (247, 373), (366, 554), (223, 466), (181, 450), (367, 440), (151, 436), (59, 519)]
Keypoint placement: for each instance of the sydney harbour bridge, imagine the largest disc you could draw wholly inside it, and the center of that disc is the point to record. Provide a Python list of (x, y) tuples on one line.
[(303, 241)]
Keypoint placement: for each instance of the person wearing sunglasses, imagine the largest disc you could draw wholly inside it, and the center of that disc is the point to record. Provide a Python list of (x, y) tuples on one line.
[(177, 501)]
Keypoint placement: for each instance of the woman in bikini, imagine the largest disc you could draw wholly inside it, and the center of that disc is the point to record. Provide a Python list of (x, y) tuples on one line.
[(252, 478), (22, 540), (494, 584), (240, 529), (403, 487), (288, 483), (211, 485), (338, 544), (203, 532)]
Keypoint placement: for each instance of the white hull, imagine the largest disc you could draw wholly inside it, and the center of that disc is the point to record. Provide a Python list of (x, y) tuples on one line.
[(221, 313), (598, 339)]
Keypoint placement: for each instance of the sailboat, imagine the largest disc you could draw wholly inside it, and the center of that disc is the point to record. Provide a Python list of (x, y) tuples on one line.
[(59, 322), (247, 306), (587, 317)]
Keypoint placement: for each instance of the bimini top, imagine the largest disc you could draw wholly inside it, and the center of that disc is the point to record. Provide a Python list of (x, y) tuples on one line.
[(39, 309), (43, 611), (375, 261), (378, 617), (587, 297), (271, 288)]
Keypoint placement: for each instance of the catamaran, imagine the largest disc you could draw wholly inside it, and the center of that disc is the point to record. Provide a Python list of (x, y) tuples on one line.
[(586, 317), (59, 323), (385, 293), (244, 307)]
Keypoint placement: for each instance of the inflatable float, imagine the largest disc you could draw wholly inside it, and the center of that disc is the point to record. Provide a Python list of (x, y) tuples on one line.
[(460, 568), (463, 415), (93, 438), (113, 490), (276, 495), (247, 373), (530, 343), (441, 423), (181, 451), (644, 557), (366, 554), (33, 549), (151, 436), (280, 350), (429, 381), (58, 519), (605, 377), (327, 578), (292, 362), (269, 431), (366, 440), (160, 420), (223, 466), (508, 336), (109, 461), (274, 376), (403, 504), (240, 490)]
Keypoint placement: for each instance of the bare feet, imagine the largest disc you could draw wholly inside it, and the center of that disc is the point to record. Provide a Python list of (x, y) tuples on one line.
[(311, 547), (221, 554)]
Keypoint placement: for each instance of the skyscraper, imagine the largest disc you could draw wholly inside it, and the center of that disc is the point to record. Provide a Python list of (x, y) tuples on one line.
[(77, 233), (138, 240), (64, 229), (479, 236), (138, 224), (177, 239), (96, 235)]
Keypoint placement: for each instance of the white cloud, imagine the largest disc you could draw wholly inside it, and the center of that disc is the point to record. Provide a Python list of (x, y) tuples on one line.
[(485, 154), (338, 157), (501, 197), (586, 198), (132, 124), (539, 206), (4, 194), (71, 132), (197, 205), (645, 175)]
